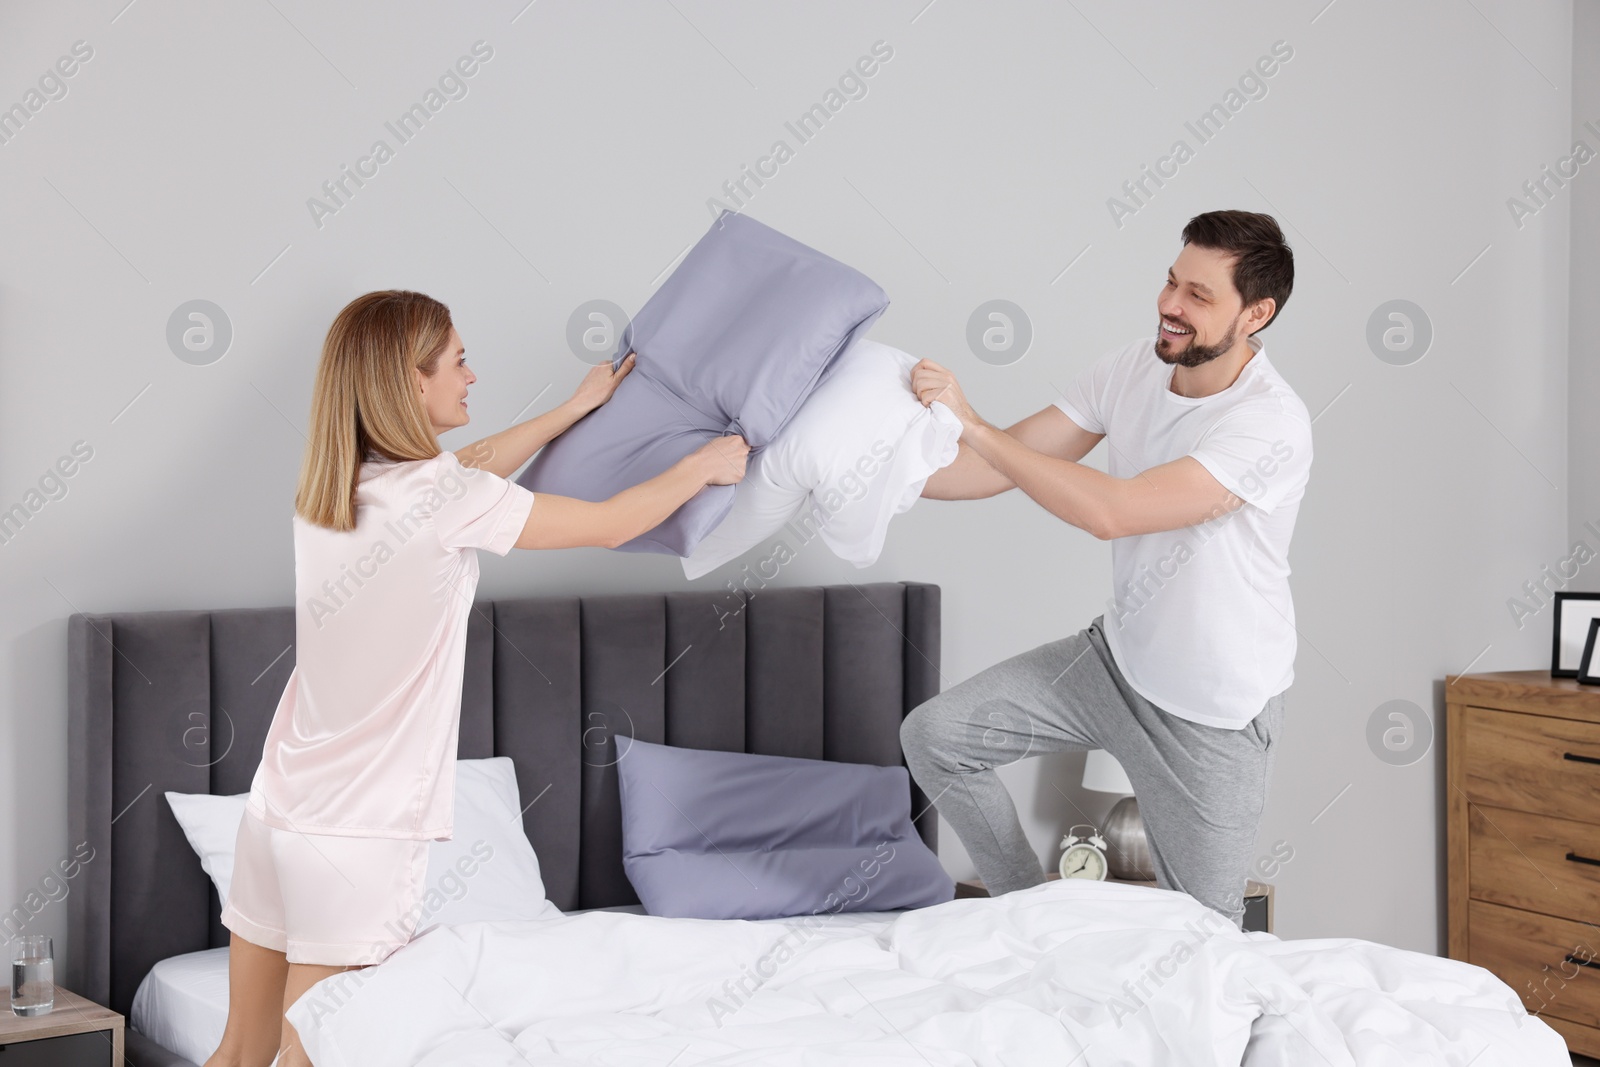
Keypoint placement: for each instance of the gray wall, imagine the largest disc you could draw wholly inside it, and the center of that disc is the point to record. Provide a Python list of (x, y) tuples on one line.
[(978, 165), (1583, 443)]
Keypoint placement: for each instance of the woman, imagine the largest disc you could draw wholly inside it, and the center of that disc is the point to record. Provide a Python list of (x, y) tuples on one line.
[(358, 771)]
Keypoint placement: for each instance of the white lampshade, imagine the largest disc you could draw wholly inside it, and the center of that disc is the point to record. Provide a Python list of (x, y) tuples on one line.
[(1103, 774)]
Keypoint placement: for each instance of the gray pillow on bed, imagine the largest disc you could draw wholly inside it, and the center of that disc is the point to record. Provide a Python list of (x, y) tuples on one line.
[(730, 835), (732, 342)]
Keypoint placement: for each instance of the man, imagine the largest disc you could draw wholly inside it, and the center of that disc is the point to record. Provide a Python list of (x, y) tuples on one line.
[(1182, 678)]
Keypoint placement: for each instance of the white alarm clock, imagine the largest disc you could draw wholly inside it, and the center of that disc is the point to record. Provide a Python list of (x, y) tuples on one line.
[(1085, 856)]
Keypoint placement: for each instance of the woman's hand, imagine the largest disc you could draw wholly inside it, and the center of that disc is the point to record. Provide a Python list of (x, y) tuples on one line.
[(598, 385), (722, 459)]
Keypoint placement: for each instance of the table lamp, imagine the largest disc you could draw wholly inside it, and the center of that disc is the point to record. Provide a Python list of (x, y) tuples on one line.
[(1127, 847)]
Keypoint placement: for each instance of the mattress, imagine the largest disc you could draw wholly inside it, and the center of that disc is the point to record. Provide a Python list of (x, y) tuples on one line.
[(182, 1004)]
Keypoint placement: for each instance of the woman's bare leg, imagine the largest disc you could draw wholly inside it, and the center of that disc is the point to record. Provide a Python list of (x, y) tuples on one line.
[(302, 976), (256, 978)]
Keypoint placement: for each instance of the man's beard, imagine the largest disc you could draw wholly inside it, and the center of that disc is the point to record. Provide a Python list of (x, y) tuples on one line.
[(1195, 353)]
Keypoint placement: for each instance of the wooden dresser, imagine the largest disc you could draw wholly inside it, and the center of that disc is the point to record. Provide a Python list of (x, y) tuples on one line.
[(1522, 838)]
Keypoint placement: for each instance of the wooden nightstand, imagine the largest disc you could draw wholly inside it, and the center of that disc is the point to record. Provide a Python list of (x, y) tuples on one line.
[(1522, 840), (76, 1033), (1258, 898)]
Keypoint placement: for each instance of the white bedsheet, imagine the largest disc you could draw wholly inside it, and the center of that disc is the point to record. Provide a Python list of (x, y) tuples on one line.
[(182, 1004), (1066, 973)]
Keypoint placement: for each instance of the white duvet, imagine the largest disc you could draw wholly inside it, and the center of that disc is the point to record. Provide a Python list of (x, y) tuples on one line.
[(1064, 974)]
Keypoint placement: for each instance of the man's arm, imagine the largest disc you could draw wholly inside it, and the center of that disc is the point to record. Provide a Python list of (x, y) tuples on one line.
[(1179, 493), (971, 477)]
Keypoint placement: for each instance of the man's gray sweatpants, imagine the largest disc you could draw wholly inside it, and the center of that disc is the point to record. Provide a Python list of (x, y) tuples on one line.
[(1201, 788)]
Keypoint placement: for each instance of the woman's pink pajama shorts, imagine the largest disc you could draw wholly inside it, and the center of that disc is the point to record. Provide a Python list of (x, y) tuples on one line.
[(323, 898)]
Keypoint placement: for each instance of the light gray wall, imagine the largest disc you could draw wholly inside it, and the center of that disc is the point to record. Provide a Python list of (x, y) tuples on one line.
[(978, 166), (1583, 445)]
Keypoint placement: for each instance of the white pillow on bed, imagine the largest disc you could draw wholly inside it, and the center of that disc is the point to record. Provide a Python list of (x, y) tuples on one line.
[(855, 455), (486, 871), (211, 823)]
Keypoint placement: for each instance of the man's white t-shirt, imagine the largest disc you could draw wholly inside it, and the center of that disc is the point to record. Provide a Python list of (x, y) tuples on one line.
[(1200, 621), (363, 742)]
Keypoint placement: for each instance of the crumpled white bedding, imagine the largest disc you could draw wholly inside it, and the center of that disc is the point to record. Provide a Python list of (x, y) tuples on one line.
[(1067, 973)]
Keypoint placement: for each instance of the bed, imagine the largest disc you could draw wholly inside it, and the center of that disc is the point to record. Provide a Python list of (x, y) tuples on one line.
[(1067, 972)]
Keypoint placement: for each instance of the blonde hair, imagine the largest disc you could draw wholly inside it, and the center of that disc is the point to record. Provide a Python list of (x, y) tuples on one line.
[(365, 398)]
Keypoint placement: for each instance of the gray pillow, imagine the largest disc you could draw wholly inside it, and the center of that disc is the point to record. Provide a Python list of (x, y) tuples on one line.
[(732, 342), (731, 835)]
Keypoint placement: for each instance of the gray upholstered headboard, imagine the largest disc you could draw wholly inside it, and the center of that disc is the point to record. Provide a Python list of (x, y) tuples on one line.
[(181, 700)]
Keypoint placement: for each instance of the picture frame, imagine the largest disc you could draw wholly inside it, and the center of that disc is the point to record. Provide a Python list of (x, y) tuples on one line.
[(1570, 631), (1589, 665)]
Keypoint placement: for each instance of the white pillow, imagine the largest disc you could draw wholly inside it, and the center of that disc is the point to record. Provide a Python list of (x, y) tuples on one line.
[(211, 824), (855, 455), (486, 871), (760, 508)]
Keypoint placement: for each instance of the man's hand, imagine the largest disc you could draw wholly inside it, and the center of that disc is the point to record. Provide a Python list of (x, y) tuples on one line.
[(598, 385), (931, 382)]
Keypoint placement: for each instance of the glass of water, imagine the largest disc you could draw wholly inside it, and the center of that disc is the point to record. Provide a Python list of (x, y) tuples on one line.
[(33, 975)]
